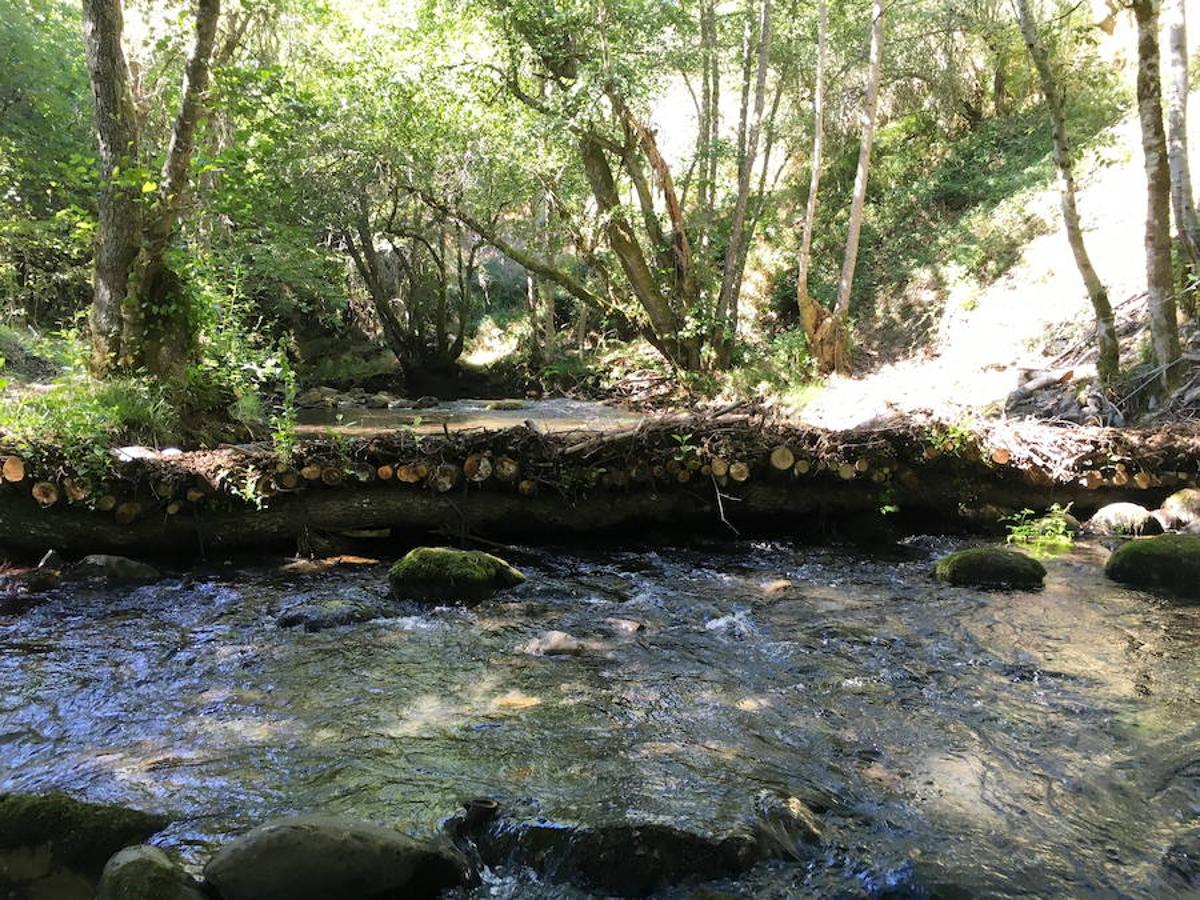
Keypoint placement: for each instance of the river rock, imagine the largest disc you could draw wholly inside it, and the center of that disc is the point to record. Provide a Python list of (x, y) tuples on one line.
[(330, 613), (622, 858), (317, 397), (1182, 861), (1184, 505), (379, 401), (1123, 519), (1169, 562), (990, 567), (785, 825), (146, 873), (426, 402), (117, 568), (52, 845), (555, 643), (444, 575), (507, 405), (320, 857)]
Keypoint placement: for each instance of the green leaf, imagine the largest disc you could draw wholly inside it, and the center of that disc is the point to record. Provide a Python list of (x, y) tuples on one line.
[(149, 187)]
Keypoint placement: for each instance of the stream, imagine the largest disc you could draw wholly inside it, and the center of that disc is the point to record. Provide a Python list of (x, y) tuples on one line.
[(955, 742)]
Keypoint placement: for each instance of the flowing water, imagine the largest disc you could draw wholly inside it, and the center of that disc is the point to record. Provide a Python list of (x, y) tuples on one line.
[(557, 414), (990, 744)]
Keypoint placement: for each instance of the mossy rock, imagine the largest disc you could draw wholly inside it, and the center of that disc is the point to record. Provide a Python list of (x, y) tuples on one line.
[(507, 405), (990, 567), (146, 873), (1169, 562), (81, 836), (444, 575)]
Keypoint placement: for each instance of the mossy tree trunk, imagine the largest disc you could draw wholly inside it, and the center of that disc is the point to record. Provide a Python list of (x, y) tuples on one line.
[(139, 317)]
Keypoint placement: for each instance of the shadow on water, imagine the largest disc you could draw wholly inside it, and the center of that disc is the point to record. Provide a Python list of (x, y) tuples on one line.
[(953, 741)]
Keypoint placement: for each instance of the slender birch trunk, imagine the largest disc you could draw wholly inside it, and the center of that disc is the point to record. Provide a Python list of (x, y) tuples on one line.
[(1109, 362), (1183, 205), (1160, 300), (748, 140), (810, 311)]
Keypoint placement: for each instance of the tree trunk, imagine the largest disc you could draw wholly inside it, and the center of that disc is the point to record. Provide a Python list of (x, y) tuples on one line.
[(1183, 205), (138, 318), (1160, 294), (116, 124), (1108, 364), (739, 235), (831, 351), (811, 313)]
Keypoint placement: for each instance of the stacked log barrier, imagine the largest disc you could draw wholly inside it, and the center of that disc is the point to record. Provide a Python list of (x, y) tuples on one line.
[(502, 484)]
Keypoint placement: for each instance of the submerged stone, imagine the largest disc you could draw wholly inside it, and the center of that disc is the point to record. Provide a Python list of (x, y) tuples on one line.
[(1169, 562), (333, 613), (318, 857), (444, 575), (990, 567), (1124, 519), (117, 568), (146, 873), (1182, 861), (55, 845), (622, 858)]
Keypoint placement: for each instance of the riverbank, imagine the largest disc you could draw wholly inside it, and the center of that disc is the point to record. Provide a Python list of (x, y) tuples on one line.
[(728, 471)]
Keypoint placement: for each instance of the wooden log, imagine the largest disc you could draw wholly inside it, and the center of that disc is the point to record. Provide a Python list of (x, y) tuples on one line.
[(739, 472), (506, 469), (444, 477), (264, 485), (287, 480), (673, 466), (1120, 478), (106, 503), (802, 467), (128, 512), (385, 472), (174, 507), (406, 473), (782, 459), (720, 467), (332, 475), (477, 468), (195, 495), (683, 476), (862, 464), (1093, 480), (12, 469), (527, 487), (45, 493), (845, 471), (1142, 481), (1001, 456), (931, 453), (75, 491), (312, 472)]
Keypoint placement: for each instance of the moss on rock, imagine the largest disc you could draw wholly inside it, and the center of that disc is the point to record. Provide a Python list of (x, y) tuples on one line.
[(445, 575), (1169, 562), (990, 567), (81, 836)]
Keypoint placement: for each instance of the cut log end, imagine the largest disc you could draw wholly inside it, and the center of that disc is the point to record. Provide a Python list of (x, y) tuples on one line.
[(12, 469), (782, 459), (45, 493)]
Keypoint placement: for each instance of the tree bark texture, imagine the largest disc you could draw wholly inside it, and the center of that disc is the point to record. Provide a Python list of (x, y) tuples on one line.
[(1160, 289)]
